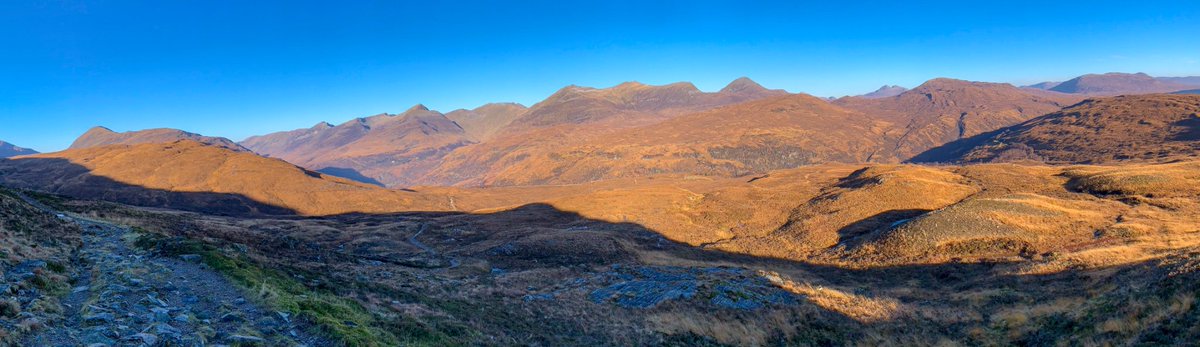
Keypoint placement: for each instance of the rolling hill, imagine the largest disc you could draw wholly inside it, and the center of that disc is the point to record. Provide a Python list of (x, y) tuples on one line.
[(196, 176), (101, 136), (1133, 127)]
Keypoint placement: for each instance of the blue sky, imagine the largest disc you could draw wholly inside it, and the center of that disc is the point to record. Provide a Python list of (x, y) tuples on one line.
[(240, 68)]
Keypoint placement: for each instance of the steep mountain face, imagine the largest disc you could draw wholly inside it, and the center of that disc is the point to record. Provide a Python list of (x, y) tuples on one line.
[(384, 149), (483, 122), (1117, 83), (10, 150), (753, 137), (200, 177), (885, 92), (943, 110), (101, 136), (1141, 127), (632, 103)]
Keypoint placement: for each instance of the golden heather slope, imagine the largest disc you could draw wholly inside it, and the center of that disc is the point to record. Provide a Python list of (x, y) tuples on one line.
[(883, 215), (195, 176)]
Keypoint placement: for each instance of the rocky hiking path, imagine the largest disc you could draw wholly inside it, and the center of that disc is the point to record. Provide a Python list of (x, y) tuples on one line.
[(124, 296)]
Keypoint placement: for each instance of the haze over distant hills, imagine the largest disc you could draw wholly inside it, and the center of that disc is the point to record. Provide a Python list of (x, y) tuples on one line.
[(884, 92), (10, 150), (1115, 83)]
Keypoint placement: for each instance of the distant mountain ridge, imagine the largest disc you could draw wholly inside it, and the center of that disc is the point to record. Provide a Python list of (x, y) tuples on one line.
[(372, 149), (1115, 83), (582, 134), (885, 92), (385, 148), (10, 150), (1189, 80)]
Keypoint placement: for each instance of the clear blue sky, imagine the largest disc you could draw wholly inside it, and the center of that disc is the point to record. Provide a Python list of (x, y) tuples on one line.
[(239, 68)]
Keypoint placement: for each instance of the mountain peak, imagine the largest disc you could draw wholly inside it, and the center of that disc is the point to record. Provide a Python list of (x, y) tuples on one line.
[(417, 107), (100, 130), (885, 91), (743, 84)]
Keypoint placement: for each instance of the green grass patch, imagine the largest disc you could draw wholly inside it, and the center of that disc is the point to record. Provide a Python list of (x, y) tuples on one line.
[(57, 267), (343, 319)]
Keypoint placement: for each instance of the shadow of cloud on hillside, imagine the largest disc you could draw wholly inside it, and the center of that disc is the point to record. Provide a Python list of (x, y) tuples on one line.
[(350, 174), (857, 233), (951, 151), (1191, 129)]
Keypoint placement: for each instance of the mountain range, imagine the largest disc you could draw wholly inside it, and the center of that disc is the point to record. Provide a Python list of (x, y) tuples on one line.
[(582, 134)]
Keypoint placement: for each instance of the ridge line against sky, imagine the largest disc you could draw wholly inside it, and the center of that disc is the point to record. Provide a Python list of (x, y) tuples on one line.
[(234, 70)]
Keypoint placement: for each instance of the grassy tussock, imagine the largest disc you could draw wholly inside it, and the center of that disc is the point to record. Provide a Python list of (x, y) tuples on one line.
[(1170, 180)]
